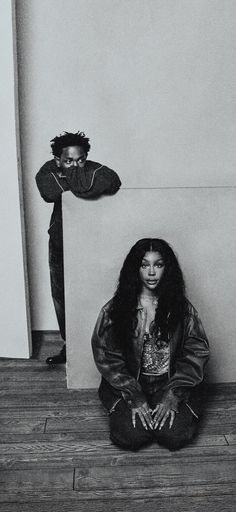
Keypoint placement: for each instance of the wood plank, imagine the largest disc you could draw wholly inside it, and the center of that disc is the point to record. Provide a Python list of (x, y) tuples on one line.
[(154, 492), (219, 416), (154, 454), (17, 481), (63, 436), (210, 503), (217, 429), (81, 423), (222, 393), (87, 454), (48, 449), (67, 410), (24, 364), (85, 397), (13, 367), (231, 438), (36, 412), (221, 405), (57, 437), (21, 426), (217, 386), (57, 393), (47, 400), (19, 387), (66, 417), (90, 420), (23, 371), (24, 367), (161, 475), (225, 490)]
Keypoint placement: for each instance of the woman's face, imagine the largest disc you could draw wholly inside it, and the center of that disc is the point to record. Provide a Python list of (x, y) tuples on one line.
[(151, 270)]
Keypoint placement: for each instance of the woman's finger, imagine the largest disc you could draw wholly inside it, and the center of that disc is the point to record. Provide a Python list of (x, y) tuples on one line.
[(148, 419), (145, 409), (172, 417), (156, 408), (162, 423), (160, 413), (159, 417), (143, 419), (142, 415), (134, 417)]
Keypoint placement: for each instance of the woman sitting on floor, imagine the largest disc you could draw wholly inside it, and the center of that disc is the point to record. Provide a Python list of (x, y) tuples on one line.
[(151, 350)]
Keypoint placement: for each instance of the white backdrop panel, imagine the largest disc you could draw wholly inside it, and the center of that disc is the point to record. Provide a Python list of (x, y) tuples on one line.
[(198, 223), (15, 333)]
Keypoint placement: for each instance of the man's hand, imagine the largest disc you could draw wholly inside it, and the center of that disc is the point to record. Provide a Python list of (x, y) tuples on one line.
[(161, 414), (144, 413)]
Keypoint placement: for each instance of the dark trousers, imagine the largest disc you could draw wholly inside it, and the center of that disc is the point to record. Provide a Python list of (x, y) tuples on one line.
[(56, 267), (123, 433)]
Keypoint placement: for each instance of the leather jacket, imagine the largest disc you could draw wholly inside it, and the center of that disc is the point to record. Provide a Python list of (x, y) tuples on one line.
[(189, 353)]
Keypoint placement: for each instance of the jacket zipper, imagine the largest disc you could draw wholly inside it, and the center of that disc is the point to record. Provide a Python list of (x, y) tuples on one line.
[(114, 405), (191, 410), (169, 339)]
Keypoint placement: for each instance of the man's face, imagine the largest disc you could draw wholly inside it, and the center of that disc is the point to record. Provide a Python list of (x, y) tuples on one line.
[(72, 157)]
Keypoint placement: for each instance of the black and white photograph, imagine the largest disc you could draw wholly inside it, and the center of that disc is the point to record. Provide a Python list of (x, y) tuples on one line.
[(118, 256)]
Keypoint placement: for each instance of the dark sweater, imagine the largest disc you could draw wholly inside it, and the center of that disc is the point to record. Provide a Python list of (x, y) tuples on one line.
[(91, 182)]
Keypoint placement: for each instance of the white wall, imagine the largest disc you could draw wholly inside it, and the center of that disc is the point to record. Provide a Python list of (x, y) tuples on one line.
[(140, 77), (151, 82), (15, 341)]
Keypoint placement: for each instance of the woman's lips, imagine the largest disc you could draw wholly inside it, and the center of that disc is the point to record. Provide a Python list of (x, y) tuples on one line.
[(152, 281)]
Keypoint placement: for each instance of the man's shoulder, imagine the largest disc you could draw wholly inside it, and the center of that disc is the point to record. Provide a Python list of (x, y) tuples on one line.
[(49, 166), (91, 165)]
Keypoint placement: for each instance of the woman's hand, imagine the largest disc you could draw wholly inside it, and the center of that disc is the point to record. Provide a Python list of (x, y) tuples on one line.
[(161, 414), (144, 413)]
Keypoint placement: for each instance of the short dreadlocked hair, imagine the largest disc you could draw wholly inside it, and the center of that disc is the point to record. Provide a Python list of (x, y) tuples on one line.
[(69, 139)]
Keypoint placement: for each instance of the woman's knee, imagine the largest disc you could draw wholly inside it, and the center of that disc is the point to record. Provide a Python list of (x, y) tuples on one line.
[(133, 442), (172, 442), (122, 431), (182, 432)]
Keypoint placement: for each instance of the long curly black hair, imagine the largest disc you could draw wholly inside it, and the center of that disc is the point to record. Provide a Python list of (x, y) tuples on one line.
[(69, 139), (170, 291)]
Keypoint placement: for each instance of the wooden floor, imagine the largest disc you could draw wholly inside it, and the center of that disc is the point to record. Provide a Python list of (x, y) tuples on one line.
[(56, 456)]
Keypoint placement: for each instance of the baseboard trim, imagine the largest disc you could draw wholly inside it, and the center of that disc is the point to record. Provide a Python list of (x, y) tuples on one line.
[(48, 335)]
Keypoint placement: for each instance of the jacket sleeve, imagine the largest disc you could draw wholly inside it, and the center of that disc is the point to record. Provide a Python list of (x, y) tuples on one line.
[(190, 363), (111, 181), (111, 362), (105, 181), (52, 184), (49, 182)]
